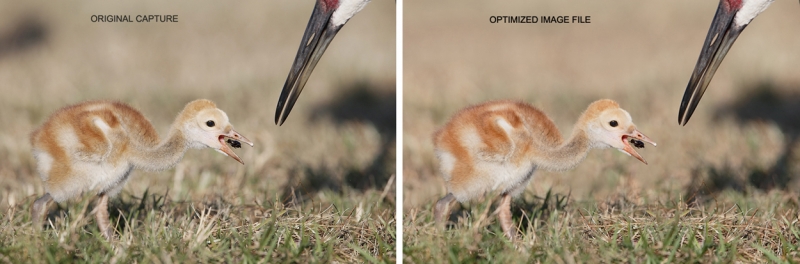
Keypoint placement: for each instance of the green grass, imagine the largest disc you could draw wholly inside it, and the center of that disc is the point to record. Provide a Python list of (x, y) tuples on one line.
[(154, 228), (734, 227)]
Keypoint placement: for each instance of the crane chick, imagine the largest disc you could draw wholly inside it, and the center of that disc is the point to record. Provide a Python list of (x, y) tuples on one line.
[(94, 146), (497, 146)]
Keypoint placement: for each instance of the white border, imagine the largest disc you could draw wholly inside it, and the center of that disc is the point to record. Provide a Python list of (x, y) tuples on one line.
[(399, 133)]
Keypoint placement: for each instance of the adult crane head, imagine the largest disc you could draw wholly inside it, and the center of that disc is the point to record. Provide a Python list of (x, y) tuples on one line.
[(327, 18), (731, 18)]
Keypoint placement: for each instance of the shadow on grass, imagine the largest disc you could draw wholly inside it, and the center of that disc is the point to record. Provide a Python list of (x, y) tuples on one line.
[(539, 208), (764, 103), (124, 208), (28, 32), (130, 207), (315, 180), (375, 104), (359, 102), (524, 211)]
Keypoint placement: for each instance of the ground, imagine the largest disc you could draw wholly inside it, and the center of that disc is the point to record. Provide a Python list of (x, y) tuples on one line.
[(722, 188), (320, 188)]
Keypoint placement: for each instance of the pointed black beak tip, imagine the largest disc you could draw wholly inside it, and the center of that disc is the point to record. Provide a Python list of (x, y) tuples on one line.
[(684, 116), (681, 120), (278, 115), (279, 118)]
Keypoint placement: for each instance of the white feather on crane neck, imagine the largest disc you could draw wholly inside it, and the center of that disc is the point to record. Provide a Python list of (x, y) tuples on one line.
[(346, 10), (750, 9)]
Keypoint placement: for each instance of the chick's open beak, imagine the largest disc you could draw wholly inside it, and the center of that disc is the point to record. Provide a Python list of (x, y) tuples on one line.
[(232, 136), (635, 135)]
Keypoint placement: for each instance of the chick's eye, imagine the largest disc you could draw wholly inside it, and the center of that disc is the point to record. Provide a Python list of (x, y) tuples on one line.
[(613, 123), (210, 123)]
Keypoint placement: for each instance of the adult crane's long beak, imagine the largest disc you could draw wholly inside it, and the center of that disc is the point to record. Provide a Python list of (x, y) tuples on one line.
[(720, 38), (319, 33)]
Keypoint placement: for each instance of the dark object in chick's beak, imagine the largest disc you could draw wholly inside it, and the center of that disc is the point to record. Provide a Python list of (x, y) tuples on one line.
[(237, 144), (637, 143)]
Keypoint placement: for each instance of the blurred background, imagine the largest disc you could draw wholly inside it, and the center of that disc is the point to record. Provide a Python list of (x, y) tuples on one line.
[(237, 55), (641, 54)]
